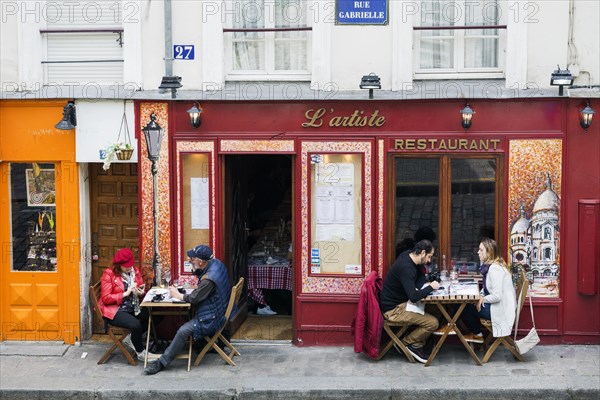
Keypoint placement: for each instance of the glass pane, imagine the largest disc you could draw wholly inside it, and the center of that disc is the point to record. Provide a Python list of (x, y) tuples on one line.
[(33, 216), (336, 214), (196, 198), (437, 53), (417, 201), (473, 209), (248, 14), (249, 55), (481, 53), (482, 12), (248, 47), (290, 55)]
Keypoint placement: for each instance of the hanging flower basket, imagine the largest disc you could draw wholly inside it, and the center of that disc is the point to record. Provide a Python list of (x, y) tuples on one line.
[(120, 150), (124, 154)]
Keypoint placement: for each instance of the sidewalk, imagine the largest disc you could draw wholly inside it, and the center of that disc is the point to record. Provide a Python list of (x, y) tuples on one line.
[(55, 371)]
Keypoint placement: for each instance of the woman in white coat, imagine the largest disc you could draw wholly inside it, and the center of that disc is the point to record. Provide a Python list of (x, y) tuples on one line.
[(498, 299)]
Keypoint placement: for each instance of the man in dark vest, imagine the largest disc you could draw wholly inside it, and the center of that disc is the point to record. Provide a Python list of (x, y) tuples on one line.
[(210, 300)]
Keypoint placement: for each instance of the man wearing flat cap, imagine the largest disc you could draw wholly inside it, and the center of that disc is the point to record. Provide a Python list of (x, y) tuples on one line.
[(210, 299)]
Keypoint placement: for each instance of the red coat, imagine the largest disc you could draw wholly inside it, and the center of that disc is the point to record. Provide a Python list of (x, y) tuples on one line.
[(368, 322), (111, 291)]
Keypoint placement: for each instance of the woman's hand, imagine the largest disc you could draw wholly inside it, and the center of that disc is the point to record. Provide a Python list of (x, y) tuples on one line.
[(130, 290), (480, 303)]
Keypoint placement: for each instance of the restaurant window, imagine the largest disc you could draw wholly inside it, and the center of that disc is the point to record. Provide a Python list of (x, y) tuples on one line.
[(455, 197), (336, 218), (33, 216), (196, 202), (269, 39), (459, 51)]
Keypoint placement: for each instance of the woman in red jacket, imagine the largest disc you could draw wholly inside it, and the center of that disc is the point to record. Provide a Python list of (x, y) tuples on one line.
[(121, 290)]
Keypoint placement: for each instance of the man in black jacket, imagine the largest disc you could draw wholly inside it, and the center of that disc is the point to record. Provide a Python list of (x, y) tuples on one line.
[(406, 282)]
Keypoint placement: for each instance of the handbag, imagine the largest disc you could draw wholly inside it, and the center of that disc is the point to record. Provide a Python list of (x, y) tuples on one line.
[(531, 339)]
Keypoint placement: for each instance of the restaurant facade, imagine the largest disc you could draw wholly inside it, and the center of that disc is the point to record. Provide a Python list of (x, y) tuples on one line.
[(362, 176)]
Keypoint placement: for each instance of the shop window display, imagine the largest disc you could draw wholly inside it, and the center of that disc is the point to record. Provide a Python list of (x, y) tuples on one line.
[(33, 216)]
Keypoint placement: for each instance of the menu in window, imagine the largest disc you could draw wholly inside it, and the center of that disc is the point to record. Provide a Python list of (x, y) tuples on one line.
[(199, 203)]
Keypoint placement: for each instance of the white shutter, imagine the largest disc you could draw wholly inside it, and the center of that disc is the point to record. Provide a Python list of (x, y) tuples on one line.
[(88, 57)]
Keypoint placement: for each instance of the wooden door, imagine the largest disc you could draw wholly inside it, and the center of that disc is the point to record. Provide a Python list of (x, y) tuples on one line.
[(236, 210), (114, 216)]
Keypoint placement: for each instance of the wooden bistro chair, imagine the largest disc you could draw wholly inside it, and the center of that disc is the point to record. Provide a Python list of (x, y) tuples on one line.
[(394, 331), (117, 334), (211, 342), (507, 341)]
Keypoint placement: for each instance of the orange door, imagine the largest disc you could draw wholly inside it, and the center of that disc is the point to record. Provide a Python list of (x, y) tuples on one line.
[(39, 226)]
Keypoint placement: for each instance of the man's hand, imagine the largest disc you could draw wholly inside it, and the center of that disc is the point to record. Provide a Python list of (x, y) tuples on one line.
[(435, 285), (175, 293)]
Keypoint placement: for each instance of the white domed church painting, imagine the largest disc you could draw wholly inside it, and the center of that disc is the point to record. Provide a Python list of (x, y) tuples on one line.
[(534, 213)]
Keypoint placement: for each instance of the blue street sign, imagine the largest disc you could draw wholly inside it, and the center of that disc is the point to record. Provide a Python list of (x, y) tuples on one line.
[(361, 12), (183, 52)]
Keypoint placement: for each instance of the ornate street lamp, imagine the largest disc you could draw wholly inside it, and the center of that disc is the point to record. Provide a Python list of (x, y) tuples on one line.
[(154, 134)]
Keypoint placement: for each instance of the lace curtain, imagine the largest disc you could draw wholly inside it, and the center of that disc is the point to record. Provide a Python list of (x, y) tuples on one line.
[(479, 46), (265, 51)]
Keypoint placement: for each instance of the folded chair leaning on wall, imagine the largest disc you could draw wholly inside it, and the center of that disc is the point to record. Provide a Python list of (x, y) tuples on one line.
[(211, 342), (116, 333)]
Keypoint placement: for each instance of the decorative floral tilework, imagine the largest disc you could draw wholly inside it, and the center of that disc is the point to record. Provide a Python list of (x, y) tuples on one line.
[(256, 145), (316, 284), (162, 190)]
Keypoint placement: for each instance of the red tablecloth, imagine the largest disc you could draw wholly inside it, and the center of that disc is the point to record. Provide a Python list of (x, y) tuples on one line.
[(263, 276)]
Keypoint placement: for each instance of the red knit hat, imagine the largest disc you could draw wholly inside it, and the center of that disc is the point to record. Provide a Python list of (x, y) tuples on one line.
[(124, 257)]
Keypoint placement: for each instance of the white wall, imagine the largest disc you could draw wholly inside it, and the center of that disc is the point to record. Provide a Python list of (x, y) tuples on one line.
[(153, 44), (358, 51), (98, 124), (9, 49), (547, 39), (586, 38)]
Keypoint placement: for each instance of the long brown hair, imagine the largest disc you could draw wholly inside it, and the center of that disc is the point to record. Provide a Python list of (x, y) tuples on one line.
[(493, 252), (117, 268)]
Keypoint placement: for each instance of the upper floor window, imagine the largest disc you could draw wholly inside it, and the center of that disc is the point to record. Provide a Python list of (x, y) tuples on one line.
[(268, 38), (472, 46)]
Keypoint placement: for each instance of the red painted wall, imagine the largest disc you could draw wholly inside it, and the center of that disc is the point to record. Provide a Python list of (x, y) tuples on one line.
[(582, 181)]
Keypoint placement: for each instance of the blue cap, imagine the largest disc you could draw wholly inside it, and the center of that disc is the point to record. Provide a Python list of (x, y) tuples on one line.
[(202, 252)]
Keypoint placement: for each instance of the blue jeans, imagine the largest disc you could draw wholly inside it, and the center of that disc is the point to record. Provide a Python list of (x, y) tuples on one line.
[(470, 316)]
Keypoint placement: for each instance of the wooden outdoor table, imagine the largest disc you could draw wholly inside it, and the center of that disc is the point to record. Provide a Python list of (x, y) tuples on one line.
[(166, 307), (440, 301)]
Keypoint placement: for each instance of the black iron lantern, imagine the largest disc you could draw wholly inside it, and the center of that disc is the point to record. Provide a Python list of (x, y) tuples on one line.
[(69, 119), (194, 113), (467, 116), (585, 116), (370, 82), (153, 134)]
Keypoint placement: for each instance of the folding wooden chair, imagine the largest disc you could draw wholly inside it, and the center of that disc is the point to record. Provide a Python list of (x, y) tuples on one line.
[(506, 341), (395, 330), (211, 342), (117, 334)]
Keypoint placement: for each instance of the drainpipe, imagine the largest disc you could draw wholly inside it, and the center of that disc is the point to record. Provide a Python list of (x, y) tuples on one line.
[(168, 38)]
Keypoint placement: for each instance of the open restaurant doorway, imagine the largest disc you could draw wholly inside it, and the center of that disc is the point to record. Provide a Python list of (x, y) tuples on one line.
[(258, 235)]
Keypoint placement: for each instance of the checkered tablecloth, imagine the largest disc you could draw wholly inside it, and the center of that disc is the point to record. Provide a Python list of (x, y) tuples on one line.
[(263, 276)]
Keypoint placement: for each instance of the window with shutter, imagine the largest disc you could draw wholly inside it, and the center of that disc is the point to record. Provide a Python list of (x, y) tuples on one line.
[(84, 42)]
